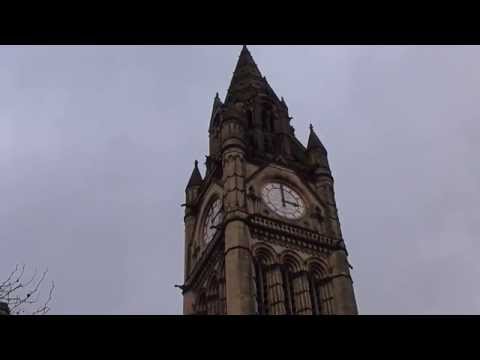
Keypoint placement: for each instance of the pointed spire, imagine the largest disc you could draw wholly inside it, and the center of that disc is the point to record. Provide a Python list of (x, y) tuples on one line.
[(246, 71), (196, 177), (314, 142), (246, 59)]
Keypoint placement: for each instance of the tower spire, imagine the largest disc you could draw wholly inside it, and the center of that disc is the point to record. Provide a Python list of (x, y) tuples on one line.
[(246, 59), (246, 71)]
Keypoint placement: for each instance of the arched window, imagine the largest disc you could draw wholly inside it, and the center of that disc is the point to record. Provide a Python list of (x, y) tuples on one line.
[(265, 287), (320, 290), (292, 284), (249, 119), (288, 290), (264, 120), (263, 307), (314, 294)]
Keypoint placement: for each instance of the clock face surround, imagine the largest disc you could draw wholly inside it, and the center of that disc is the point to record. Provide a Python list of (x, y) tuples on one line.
[(283, 200), (213, 219)]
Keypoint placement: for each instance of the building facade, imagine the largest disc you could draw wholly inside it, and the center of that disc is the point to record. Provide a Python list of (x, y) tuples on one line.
[(262, 233)]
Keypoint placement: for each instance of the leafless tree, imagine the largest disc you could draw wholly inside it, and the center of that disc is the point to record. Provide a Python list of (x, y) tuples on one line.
[(22, 295)]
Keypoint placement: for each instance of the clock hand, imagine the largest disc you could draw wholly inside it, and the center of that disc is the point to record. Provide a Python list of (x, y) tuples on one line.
[(283, 195), (291, 203)]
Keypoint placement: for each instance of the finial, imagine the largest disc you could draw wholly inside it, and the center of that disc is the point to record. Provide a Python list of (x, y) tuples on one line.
[(311, 127), (196, 163)]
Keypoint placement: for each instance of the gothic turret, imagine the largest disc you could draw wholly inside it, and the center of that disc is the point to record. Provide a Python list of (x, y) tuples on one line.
[(214, 131), (317, 154), (314, 142), (193, 184), (217, 104)]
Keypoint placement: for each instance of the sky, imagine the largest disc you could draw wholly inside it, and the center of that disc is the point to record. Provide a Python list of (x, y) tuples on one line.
[(97, 144)]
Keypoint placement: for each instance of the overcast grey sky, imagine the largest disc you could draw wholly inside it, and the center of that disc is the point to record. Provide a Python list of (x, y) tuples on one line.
[(97, 144)]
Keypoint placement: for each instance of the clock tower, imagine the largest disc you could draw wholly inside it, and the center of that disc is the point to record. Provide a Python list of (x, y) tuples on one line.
[(262, 234)]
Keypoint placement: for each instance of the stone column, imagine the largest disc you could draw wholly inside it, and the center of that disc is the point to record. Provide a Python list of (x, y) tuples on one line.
[(342, 285), (238, 262), (189, 227), (188, 295), (238, 271)]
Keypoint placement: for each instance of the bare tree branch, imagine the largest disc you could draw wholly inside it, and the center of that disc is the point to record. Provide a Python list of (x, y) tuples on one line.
[(21, 295), (9, 277), (45, 308)]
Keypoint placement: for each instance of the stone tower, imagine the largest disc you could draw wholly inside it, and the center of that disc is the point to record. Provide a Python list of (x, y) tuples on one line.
[(262, 234)]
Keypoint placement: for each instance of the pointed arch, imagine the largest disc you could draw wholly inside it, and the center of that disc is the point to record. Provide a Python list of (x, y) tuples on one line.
[(264, 258), (291, 268)]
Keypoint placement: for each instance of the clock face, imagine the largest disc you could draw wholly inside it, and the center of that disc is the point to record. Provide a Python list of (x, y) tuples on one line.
[(213, 219), (283, 200)]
